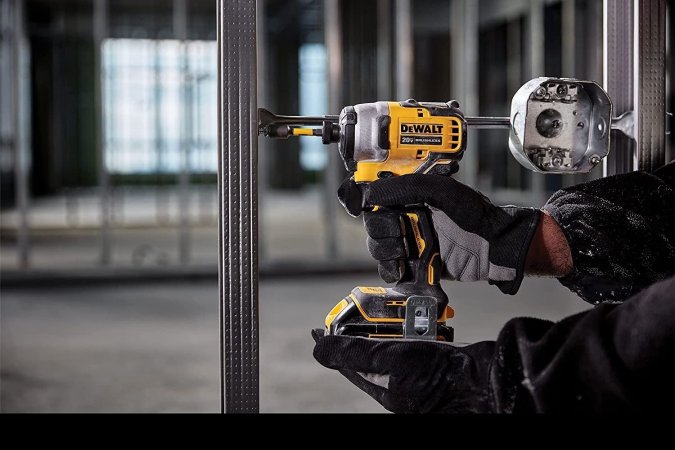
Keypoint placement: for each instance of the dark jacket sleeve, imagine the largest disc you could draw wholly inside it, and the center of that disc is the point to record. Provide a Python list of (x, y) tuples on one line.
[(621, 231), (616, 358)]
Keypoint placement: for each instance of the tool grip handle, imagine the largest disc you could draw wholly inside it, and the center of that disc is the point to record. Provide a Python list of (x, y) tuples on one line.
[(421, 269), (422, 266)]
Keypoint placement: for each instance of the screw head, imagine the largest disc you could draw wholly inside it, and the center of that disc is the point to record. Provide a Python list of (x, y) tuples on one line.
[(561, 90)]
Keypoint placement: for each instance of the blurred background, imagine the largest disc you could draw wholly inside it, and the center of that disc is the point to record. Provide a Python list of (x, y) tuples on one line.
[(108, 200)]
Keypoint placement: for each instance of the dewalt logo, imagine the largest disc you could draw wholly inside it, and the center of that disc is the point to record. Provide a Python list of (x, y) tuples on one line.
[(421, 128)]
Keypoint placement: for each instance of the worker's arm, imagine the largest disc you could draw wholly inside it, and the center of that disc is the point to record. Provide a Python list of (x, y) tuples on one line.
[(605, 239), (615, 358), (549, 254), (620, 231)]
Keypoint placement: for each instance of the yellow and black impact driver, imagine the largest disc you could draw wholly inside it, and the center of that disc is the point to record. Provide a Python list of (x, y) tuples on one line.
[(380, 140), (557, 125)]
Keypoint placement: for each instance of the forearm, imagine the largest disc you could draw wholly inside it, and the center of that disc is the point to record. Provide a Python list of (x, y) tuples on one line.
[(549, 253), (620, 231)]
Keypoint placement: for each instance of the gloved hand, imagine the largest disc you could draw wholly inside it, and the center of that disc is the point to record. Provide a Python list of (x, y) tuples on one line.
[(407, 376), (478, 240)]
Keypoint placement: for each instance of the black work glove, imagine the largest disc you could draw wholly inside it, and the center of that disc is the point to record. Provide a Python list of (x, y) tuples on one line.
[(478, 240), (409, 376)]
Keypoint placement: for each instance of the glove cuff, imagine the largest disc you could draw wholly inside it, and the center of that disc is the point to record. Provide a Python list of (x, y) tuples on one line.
[(510, 247)]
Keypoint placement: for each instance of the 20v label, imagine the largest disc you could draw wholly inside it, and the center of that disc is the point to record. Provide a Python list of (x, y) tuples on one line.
[(422, 140)]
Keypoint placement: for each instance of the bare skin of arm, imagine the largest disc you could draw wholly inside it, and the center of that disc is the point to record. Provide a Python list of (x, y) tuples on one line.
[(549, 254)]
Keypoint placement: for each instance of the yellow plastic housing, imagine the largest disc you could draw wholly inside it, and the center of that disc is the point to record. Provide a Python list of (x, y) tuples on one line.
[(413, 135)]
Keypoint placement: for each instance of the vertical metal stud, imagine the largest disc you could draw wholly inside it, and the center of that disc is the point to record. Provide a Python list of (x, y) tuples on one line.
[(333, 39), (569, 43), (569, 40), (384, 67), (180, 33), (21, 110), (404, 49), (514, 79), (161, 200), (238, 207), (263, 99), (464, 38), (100, 32), (634, 76), (650, 77), (618, 79), (535, 41)]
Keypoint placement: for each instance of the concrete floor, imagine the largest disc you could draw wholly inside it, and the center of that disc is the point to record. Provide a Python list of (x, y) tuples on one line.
[(154, 347)]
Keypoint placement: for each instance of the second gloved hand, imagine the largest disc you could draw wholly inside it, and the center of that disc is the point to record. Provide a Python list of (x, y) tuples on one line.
[(412, 376), (478, 240)]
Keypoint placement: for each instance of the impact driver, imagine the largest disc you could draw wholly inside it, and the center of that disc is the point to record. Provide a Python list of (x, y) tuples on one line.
[(380, 140)]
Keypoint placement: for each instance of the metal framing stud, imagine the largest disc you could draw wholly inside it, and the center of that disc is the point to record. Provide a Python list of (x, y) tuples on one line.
[(634, 76), (238, 204)]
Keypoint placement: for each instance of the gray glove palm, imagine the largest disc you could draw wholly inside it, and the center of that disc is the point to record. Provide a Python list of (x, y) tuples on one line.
[(478, 240)]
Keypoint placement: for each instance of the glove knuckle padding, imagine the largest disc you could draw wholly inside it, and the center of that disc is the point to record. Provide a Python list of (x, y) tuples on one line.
[(351, 197), (382, 224), (403, 190), (340, 352), (390, 271), (386, 249), (463, 204)]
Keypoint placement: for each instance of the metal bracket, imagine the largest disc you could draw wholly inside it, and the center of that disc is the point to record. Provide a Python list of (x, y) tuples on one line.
[(625, 123), (420, 318)]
